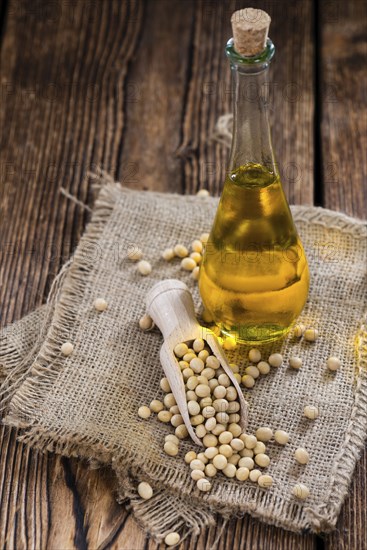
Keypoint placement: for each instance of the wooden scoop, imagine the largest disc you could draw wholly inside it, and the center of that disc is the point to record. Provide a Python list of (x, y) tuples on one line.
[(170, 305)]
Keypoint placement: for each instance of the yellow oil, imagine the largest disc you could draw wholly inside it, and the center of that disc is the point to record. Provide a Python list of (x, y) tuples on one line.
[(254, 277)]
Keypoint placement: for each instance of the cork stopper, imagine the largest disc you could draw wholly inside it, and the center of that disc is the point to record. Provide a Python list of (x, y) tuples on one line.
[(250, 31)]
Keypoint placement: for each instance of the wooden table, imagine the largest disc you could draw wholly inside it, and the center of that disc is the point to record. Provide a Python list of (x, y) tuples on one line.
[(137, 87)]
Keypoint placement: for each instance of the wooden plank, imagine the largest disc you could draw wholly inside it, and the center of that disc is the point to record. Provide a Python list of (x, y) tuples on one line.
[(344, 145), (237, 534), (63, 66), (157, 85), (351, 529), (343, 109)]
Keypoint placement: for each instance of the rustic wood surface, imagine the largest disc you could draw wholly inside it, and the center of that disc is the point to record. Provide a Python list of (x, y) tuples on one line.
[(136, 87), (343, 141)]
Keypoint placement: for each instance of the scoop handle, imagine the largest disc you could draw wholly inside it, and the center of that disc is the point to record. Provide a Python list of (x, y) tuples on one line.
[(170, 305)]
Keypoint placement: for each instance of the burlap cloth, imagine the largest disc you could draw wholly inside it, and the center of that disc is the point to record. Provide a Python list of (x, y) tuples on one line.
[(86, 405)]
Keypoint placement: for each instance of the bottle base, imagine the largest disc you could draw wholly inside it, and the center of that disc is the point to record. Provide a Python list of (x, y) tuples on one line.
[(255, 334)]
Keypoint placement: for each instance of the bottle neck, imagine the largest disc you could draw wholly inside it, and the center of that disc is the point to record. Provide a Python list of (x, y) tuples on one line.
[(251, 142)]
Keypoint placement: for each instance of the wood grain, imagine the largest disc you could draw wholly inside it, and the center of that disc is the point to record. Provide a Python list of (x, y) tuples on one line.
[(343, 82), (344, 143), (158, 83), (136, 87)]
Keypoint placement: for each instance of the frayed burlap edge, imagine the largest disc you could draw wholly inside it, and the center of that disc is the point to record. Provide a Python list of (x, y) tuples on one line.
[(13, 363), (158, 520), (267, 507), (14, 367), (64, 315)]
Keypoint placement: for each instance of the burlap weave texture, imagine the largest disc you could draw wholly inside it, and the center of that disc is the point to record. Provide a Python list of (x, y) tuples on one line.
[(86, 404)]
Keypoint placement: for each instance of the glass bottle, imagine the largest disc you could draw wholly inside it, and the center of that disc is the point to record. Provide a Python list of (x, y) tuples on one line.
[(254, 277)]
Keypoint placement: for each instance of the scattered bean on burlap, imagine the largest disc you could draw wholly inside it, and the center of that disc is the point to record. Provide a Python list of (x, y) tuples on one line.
[(86, 404)]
